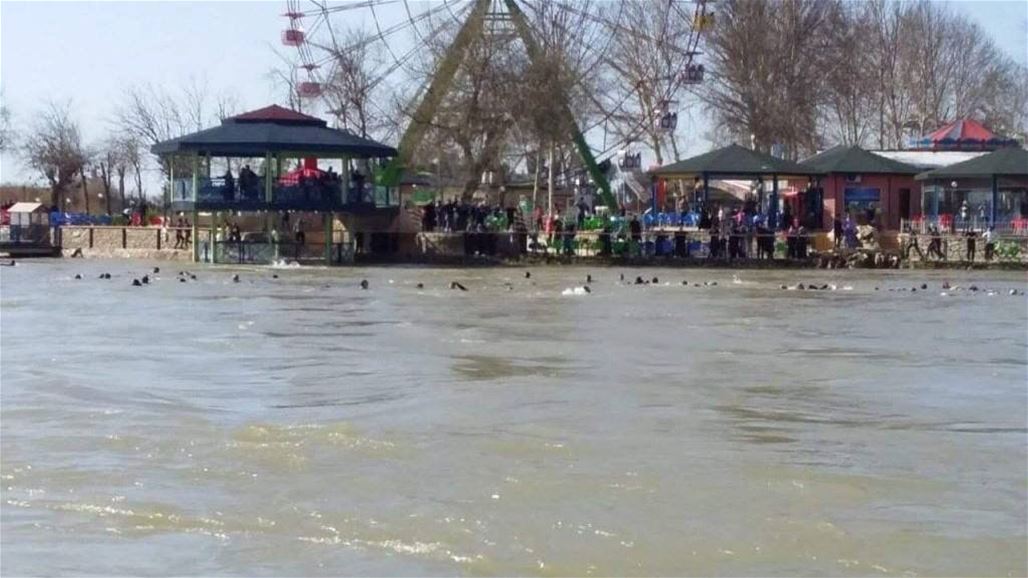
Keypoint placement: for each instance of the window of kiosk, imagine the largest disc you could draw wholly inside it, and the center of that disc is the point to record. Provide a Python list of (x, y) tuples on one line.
[(862, 204)]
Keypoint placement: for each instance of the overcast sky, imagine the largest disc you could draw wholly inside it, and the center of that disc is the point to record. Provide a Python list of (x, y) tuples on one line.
[(87, 52)]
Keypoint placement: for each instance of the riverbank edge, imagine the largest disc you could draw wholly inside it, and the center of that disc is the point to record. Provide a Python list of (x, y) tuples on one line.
[(462, 261), (662, 262)]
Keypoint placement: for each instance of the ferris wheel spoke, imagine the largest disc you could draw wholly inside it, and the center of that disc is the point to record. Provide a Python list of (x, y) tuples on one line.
[(588, 70), (401, 26), (353, 5), (416, 49), (410, 18), (586, 34)]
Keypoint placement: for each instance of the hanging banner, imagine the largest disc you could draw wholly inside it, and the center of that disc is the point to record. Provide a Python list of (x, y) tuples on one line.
[(861, 195), (423, 196)]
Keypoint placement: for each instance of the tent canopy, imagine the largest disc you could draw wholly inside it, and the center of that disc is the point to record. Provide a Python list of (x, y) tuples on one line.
[(734, 160), (963, 134), (855, 160), (1007, 162), (274, 129), (25, 207)]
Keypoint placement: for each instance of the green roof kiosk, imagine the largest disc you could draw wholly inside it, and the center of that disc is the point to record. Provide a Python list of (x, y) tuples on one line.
[(268, 137)]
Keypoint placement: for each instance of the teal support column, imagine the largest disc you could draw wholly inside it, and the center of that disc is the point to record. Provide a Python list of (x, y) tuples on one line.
[(269, 179), (196, 214), (171, 177), (196, 177), (344, 178), (210, 239), (328, 238), (995, 201), (270, 219), (215, 230)]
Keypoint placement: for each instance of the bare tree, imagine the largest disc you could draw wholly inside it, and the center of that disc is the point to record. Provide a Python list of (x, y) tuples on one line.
[(769, 57), (475, 117), (6, 133), (125, 158), (151, 115), (115, 158), (54, 148), (353, 88), (103, 163), (88, 155), (284, 77), (848, 105), (653, 42), (560, 79), (902, 69)]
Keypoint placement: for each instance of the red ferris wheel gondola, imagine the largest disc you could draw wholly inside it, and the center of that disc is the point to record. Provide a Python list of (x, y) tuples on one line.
[(293, 37)]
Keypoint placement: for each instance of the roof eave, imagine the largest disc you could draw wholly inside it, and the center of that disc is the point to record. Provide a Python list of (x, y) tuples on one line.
[(259, 149)]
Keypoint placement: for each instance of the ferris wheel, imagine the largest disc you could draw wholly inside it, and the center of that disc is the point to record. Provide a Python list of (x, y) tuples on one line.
[(397, 28), (415, 40)]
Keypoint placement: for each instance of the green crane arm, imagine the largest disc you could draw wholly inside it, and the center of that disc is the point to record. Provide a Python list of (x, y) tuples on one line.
[(518, 17), (433, 97)]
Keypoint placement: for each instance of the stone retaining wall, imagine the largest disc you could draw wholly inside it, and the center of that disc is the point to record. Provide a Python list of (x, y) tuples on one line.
[(120, 242), (954, 247)]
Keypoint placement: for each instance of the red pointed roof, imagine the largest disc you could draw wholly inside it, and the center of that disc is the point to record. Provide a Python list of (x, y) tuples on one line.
[(963, 134), (963, 129), (276, 114)]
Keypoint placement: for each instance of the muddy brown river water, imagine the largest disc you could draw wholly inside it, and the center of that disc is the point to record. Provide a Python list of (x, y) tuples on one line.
[(301, 426)]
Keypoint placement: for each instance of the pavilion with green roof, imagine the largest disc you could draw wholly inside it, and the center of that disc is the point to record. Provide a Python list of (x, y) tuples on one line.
[(732, 162), (272, 138), (862, 184), (996, 182)]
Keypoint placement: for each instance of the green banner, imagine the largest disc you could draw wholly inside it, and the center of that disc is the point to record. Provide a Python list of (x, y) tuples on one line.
[(423, 196)]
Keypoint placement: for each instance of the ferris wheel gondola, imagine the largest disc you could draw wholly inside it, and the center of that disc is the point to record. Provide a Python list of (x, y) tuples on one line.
[(296, 37)]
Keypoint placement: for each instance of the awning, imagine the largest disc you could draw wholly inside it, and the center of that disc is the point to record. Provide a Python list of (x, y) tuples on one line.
[(1008, 162), (26, 207), (857, 161), (274, 129), (734, 161)]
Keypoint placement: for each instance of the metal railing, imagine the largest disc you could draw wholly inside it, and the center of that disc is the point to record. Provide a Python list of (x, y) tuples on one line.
[(263, 252), (961, 247), (312, 192), (25, 234), (953, 224)]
